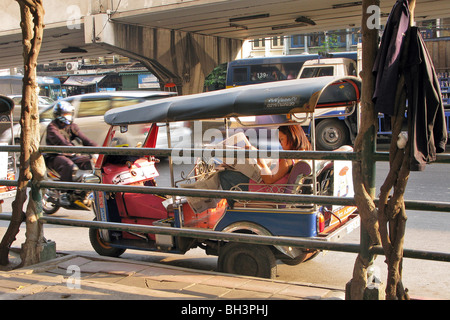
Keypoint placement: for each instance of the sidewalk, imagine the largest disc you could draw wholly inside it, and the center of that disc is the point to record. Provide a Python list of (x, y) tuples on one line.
[(76, 277)]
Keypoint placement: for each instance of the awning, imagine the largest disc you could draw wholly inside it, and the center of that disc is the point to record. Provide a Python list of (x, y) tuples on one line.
[(82, 81)]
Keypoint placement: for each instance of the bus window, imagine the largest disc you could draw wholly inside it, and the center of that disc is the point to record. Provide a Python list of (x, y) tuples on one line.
[(256, 70), (265, 73), (240, 75)]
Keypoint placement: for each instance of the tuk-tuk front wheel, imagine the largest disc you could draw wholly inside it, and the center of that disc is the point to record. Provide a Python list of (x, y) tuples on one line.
[(102, 247), (248, 260)]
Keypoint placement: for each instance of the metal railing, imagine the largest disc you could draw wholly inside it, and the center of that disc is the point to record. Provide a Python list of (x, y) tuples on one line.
[(310, 243)]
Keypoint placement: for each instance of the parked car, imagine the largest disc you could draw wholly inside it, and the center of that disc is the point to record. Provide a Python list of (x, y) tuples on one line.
[(334, 126), (6, 171), (89, 111), (43, 103)]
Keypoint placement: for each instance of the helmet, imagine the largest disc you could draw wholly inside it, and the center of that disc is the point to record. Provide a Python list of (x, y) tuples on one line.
[(63, 111)]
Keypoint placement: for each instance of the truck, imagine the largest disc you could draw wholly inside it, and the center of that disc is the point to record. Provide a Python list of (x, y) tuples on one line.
[(334, 126)]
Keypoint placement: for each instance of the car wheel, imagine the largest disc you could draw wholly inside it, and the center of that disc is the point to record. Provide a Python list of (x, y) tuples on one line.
[(247, 260), (4, 118), (331, 134)]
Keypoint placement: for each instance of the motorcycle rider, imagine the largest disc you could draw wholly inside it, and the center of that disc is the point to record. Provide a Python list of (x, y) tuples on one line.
[(62, 131)]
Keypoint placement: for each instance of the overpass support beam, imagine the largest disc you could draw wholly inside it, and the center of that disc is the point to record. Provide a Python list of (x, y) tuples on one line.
[(173, 56)]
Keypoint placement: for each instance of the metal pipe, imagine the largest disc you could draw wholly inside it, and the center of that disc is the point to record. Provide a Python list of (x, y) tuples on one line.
[(206, 234), (270, 197), (169, 144), (237, 237), (165, 152)]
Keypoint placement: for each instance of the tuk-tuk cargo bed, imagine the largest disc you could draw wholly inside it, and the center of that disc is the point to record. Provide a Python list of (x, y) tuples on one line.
[(205, 220), (7, 194), (277, 222), (349, 226)]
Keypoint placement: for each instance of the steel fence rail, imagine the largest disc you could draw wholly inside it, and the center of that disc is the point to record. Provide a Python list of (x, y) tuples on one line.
[(205, 193), (314, 243), (193, 152)]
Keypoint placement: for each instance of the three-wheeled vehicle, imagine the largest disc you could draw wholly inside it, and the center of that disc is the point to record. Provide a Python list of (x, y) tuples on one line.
[(294, 100)]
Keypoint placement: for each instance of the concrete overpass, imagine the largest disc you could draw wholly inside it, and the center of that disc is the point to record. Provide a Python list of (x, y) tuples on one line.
[(180, 41)]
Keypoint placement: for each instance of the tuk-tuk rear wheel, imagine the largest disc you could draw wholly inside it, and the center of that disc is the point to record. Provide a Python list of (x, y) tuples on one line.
[(101, 247), (248, 260)]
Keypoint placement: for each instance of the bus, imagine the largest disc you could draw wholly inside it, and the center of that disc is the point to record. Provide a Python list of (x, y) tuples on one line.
[(48, 86), (265, 69)]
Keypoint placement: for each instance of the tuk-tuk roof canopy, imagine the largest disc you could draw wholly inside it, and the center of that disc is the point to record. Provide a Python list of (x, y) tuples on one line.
[(281, 97)]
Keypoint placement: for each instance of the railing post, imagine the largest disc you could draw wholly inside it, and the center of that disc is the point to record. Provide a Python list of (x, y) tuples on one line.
[(365, 144)]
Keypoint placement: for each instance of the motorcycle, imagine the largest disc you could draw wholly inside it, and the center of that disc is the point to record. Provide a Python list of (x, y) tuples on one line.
[(54, 199)]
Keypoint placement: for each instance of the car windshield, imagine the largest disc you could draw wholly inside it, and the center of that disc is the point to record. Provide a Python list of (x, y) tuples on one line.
[(46, 114), (46, 100)]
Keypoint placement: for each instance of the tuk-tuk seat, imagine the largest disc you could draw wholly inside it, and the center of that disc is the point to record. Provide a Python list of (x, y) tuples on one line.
[(301, 169), (293, 185), (300, 181)]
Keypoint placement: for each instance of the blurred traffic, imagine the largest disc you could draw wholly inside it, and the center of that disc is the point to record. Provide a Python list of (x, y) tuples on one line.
[(89, 111)]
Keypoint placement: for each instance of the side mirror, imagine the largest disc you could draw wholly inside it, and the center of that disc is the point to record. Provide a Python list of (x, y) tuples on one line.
[(91, 178)]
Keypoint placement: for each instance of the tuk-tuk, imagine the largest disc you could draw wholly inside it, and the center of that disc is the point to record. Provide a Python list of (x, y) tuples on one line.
[(293, 100), (7, 163)]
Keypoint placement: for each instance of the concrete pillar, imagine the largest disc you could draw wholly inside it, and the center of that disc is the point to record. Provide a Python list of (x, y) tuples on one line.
[(173, 56)]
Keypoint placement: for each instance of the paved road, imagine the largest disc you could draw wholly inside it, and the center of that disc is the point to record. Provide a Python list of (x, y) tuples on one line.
[(425, 231)]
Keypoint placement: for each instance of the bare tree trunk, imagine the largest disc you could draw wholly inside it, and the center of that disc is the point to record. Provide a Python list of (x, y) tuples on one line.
[(32, 165), (385, 225), (391, 209), (364, 143)]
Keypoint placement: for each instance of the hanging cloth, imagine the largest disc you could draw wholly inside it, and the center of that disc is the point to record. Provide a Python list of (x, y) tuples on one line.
[(427, 127), (387, 62), (425, 111)]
